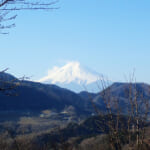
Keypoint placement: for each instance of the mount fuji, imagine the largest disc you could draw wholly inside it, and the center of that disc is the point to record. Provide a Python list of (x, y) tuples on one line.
[(74, 77)]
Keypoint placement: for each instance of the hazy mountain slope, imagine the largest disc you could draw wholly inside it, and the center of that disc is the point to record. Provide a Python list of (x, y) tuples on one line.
[(36, 97), (7, 77), (32, 96), (120, 92), (87, 95)]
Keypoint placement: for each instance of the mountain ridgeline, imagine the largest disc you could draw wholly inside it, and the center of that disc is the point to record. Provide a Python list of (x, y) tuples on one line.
[(31, 96), (36, 115), (73, 76), (34, 96)]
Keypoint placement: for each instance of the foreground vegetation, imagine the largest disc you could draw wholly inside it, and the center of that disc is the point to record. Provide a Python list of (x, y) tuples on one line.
[(75, 136)]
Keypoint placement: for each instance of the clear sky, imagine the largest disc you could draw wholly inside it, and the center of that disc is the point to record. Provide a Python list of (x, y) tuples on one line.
[(110, 36)]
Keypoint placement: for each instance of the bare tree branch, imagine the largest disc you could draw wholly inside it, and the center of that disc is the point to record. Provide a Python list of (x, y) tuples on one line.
[(9, 6)]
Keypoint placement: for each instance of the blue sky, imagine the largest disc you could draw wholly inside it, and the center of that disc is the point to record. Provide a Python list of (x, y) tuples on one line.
[(110, 36)]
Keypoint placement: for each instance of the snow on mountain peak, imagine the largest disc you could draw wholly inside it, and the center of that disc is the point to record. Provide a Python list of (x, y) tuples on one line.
[(69, 73)]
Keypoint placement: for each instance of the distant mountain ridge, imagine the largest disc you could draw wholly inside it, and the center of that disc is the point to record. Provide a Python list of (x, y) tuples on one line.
[(7, 77), (71, 72), (120, 92), (35, 96), (73, 76)]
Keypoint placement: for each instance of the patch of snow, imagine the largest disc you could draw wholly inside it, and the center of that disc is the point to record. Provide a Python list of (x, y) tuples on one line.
[(71, 72)]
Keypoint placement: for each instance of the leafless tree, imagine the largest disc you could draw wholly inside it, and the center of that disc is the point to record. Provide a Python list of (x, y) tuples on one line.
[(10, 8), (129, 125)]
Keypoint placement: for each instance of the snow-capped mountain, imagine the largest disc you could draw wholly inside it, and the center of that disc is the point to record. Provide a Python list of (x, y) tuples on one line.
[(72, 76)]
